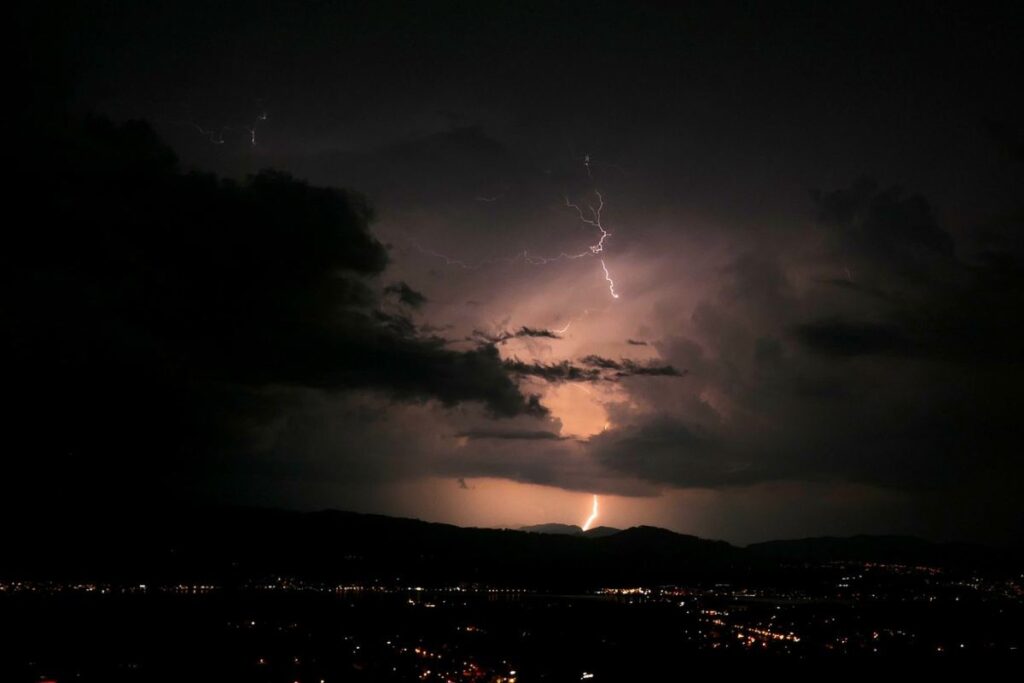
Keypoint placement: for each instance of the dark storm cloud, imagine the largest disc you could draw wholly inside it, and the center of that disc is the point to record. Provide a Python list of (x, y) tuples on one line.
[(590, 369), (152, 310), (634, 369), (406, 294), (153, 314), (665, 450), (512, 435), (563, 371), (887, 230), (504, 336), (841, 338), (452, 165), (602, 363), (901, 378), (630, 368), (922, 297)]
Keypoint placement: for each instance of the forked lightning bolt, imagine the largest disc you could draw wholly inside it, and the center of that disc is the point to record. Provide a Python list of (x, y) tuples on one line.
[(594, 221)]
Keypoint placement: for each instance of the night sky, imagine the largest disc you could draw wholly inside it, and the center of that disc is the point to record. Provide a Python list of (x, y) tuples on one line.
[(744, 271)]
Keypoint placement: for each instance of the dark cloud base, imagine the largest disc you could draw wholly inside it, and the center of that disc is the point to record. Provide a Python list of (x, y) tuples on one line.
[(152, 312), (591, 369)]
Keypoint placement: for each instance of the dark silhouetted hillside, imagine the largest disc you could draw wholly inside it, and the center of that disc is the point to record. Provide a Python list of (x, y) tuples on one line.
[(884, 549), (561, 529), (231, 546)]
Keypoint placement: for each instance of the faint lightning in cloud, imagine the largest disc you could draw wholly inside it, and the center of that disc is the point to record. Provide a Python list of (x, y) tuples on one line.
[(218, 136), (524, 256), (586, 312), (252, 129), (214, 136), (591, 217), (592, 517)]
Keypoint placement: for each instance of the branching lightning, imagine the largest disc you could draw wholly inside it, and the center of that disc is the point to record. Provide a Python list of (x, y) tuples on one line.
[(592, 517), (591, 217), (593, 221)]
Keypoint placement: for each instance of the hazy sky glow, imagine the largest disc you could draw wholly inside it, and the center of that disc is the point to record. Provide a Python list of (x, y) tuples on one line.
[(815, 245)]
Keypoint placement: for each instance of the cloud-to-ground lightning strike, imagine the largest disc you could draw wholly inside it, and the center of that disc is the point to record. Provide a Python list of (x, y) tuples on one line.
[(592, 517)]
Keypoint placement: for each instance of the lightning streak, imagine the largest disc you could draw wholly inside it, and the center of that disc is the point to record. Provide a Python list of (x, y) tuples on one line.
[(611, 282), (592, 517), (217, 136), (598, 247), (592, 218), (586, 312), (214, 136), (524, 256), (252, 129)]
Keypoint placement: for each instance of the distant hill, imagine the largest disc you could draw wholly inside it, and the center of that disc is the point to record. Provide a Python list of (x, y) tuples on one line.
[(601, 531), (883, 549), (570, 530), (562, 529)]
